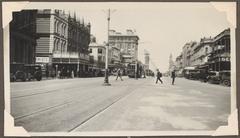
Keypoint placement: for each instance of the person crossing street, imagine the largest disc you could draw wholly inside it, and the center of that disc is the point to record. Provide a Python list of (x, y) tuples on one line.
[(159, 75), (119, 74), (173, 75)]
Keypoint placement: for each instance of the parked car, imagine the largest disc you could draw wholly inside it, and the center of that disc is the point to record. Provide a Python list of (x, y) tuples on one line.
[(193, 74), (225, 78), (213, 77), (25, 72)]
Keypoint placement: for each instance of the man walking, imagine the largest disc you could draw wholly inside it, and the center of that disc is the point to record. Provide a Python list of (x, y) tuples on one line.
[(159, 75), (173, 75), (119, 74)]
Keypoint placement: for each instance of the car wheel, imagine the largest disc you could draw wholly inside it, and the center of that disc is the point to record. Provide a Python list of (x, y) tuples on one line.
[(226, 82)]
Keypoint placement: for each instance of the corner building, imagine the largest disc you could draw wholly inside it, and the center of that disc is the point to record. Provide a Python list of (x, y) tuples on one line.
[(62, 42)]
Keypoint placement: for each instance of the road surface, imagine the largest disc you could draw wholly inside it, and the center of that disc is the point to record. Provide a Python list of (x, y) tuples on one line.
[(84, 104)]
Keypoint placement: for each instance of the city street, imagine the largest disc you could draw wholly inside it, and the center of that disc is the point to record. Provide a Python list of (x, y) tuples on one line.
[(84, 104)]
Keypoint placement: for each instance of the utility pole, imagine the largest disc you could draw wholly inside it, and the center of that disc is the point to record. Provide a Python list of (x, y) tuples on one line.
[(106, 81), (136, 62)]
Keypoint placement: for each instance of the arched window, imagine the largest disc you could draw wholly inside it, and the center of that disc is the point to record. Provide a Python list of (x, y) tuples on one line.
[(55, 26), (58, 27), (62, 29), (55, 48), (58, 45)]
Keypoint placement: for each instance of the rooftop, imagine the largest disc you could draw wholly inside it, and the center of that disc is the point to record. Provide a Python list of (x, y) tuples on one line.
[(128, 32)]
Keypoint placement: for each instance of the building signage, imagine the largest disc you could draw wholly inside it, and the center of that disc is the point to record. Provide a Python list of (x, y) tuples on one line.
[(42, 60)]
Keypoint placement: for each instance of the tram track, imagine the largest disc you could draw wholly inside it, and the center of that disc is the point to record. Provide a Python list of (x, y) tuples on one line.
[(45, 92), (73, 101), (69, 101), (103, 109), (41, 110)]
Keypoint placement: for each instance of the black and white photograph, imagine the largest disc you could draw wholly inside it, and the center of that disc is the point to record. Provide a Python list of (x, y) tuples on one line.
[(99, 67)]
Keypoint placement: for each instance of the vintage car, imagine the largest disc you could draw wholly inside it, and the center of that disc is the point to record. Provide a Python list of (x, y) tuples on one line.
[(225, 78), (25, 72), (213, 77)]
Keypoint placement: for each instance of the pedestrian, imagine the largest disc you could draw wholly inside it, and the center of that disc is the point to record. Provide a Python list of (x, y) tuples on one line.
[(72, 74), (47, 73), (59, 74), (119, 74), (173, 75), (159, 75)]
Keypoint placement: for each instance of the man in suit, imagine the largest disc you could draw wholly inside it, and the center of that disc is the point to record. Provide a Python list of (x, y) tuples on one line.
[(159, 75), (173, 75)]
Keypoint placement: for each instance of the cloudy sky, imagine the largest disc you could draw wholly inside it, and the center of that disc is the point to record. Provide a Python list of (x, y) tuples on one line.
[(163, 28)]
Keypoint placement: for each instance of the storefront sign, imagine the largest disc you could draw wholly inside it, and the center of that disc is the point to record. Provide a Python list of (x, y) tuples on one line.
[(42, 60)]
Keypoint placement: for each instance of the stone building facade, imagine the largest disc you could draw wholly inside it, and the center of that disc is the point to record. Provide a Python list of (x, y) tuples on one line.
[(219, 58), (98, 55), (127, 43), (63, 42), (23, 37), (201, 52), (210, 54)]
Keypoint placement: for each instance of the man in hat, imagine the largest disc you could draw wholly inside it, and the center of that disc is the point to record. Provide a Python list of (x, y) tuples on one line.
[(159, 75)]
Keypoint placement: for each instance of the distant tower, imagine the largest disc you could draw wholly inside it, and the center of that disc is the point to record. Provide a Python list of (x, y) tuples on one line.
[(171, 63), (147, 58)]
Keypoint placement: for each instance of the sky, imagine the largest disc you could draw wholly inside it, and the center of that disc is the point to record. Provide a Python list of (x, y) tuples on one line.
[(163, 28)]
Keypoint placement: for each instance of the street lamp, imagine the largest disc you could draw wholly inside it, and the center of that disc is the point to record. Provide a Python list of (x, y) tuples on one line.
[(106, 81), (136, 60)]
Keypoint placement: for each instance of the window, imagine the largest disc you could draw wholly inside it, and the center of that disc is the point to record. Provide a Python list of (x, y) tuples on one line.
[(99, 50), (55, 26), (90, 50), (206, 50), (99, 58), (55, 44)]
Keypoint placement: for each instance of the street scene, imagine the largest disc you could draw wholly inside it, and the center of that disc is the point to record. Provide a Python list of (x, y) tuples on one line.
[(73, 105), (87, 68)]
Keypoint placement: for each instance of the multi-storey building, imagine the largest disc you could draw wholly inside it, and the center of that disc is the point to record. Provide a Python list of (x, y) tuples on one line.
[(23, 37), (219, 58), (63, 42), (179, 64), (210, 54), (194, 55), (78, 44), (114, 55), (98, 55), (186, 53), (127, 43), (201, 53), (52, 30)]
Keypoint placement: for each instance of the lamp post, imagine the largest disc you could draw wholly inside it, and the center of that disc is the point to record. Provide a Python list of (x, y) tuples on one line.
[(136, 61), (106, 81)]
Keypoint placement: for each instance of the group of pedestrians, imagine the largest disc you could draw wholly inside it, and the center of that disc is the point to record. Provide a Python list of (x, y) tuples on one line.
[(159, 75)]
